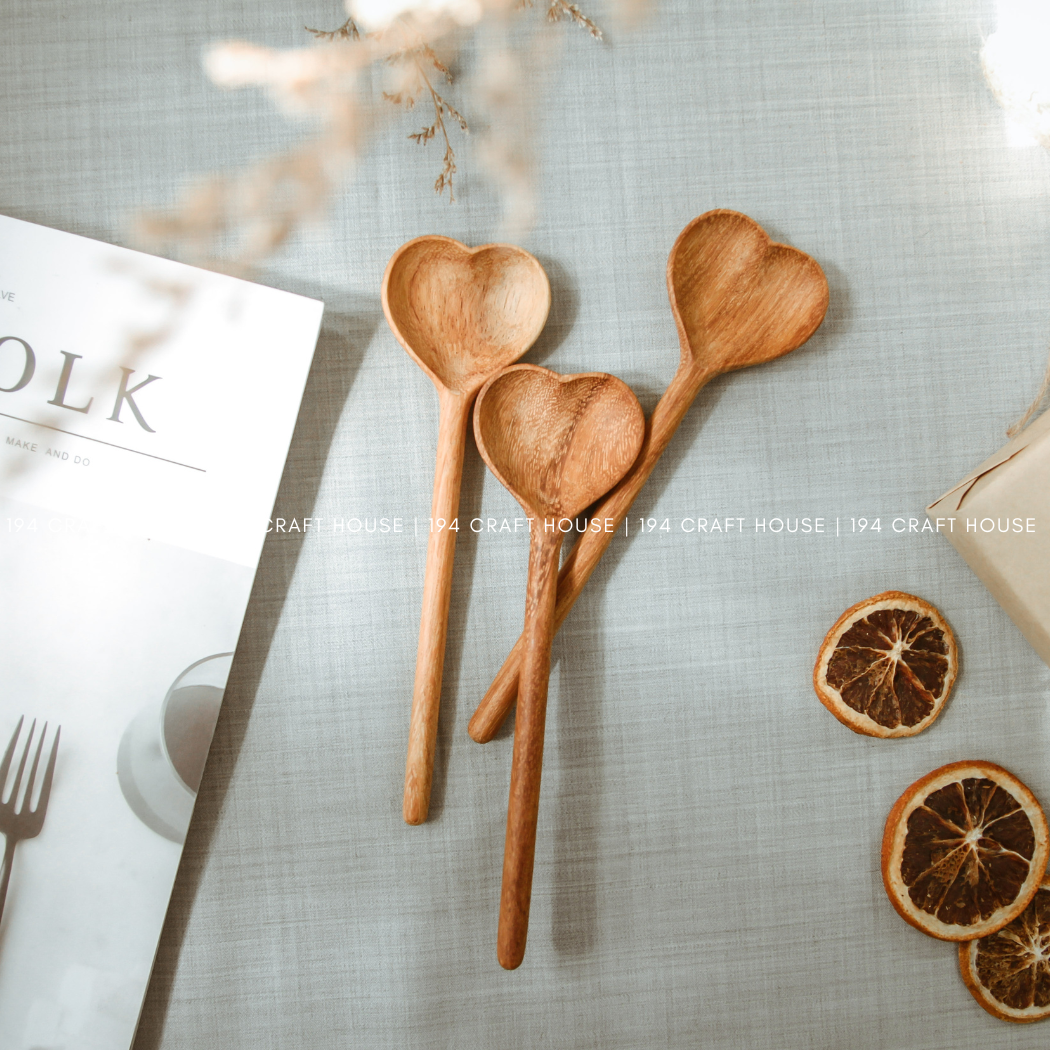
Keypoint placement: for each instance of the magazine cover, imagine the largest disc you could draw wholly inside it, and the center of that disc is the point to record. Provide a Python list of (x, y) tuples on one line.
[(145, 413)]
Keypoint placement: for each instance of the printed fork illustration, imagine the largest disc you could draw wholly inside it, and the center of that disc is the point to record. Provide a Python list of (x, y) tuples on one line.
[(23, 822)]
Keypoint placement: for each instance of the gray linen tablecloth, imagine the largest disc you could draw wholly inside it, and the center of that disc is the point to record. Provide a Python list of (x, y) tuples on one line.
[(707, 870)]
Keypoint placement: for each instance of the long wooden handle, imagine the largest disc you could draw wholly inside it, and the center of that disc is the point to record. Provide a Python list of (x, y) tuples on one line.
[(433, 623), (589, 548), (523, 809)]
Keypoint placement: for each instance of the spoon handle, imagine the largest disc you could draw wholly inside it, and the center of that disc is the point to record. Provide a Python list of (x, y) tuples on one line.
[(523, 809), (589, 548), (433, 623)]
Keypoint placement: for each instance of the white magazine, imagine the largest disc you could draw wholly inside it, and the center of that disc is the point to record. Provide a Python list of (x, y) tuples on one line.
[(146, 408)]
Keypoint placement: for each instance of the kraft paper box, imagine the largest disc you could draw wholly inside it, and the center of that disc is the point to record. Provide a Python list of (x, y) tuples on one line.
[(1001, 527)]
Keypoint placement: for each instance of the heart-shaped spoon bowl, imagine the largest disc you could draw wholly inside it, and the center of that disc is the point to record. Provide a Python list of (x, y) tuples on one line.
[(738, 297), (557, 442), (463, 313)]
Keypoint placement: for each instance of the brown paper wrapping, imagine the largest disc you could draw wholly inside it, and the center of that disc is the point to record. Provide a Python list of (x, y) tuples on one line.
[(1010, 489)]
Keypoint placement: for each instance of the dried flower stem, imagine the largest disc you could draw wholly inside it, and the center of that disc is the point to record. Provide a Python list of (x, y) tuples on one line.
[(347, 31), (441, 108), (234, 221), (559, 9), (418, 55)]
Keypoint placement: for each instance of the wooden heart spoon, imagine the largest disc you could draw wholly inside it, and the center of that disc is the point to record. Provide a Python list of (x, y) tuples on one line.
[(463, 314), (556, 443), (738, 299)]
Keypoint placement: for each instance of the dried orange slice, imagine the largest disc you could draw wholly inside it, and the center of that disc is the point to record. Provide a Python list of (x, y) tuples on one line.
[(887, 665), (964, 851), (1008, 972)]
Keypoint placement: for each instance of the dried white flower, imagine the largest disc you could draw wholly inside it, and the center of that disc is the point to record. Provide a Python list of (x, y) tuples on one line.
[(300, 80), (379, 14), (233, 221), (1016, 61), (1017, 68)]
